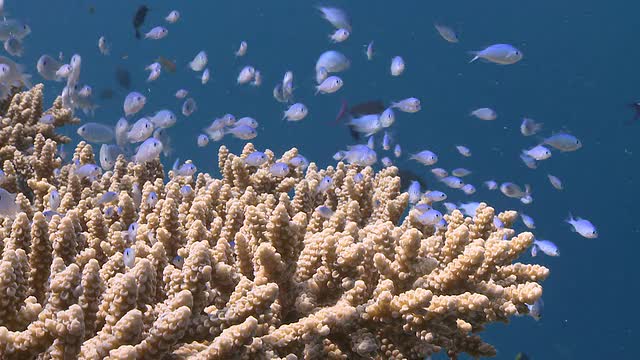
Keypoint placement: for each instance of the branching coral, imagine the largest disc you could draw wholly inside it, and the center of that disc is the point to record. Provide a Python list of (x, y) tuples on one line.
[(239, 267)]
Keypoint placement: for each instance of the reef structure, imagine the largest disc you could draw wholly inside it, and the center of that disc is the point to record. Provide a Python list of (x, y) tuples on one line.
[(240, 267)]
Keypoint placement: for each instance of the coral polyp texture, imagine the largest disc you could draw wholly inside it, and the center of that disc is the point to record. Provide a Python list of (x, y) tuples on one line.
[(241, 267)]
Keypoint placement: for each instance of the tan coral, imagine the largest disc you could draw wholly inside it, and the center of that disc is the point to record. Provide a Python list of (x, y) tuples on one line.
[(237, 266)]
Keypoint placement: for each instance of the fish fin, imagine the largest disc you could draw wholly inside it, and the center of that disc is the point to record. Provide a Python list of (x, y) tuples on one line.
[(138, 35), (475, 56)]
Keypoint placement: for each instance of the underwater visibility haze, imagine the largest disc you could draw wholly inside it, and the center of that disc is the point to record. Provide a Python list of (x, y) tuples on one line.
[(525, 106)]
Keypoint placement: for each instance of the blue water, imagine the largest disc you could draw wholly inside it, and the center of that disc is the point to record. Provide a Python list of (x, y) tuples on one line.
[(578, 73)]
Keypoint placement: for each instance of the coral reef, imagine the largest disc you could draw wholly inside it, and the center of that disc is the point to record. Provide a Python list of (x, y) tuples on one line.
[(238, 267)]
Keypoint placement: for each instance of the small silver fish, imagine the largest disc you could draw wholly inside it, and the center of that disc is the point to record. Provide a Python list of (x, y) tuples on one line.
[(453, 182), (14, 46), (321, 75), (129, 257), (187, 169), (54, 200), (186, 190), (279, 169), (107, 197), (367, 124), (133, 103), (140, 131), (503, 54), (155, 69), (206, 75), (47, 67), (202, 140), (89, 171), (199, 62), (243, 132), (439, 172), (397, 66), (386, 141), (468, 189), (96, 133), (369, 51), (173, 17), (121, 130), (152, 199), (337, 17), (182, 93), (529, 127), (535, 310), (329, 85), (163, 119), (414, 192), (332, 61), (434, 196), (149, 150), (387, 118), (512, 190), (386, 162), (430, 217), (446, 33), (485, 114), (299, 161), (296, 112), (339, 35), (409, 105), (189, 107), (546, 246), (324, 211), (248, 121), (103, 46), (256, 158), (246, 75), (13, 28), (178, 261), (360, 155), (242, 49), (425, 157), (397, 151), (491, 184), (555, 182), (324, 184), (460, 172), (157, 33), (463, 150), (583, 227), (469, 209), (527, 221), (563, 142), (538, 152)]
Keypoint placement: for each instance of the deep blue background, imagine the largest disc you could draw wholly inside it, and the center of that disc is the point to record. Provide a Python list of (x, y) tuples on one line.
[(578, 73)]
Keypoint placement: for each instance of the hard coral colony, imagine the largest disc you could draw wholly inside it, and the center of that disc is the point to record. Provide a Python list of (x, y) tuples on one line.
[(263, 276)]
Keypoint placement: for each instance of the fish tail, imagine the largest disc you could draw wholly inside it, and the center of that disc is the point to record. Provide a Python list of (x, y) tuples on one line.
[(475, 56), (138, 35)]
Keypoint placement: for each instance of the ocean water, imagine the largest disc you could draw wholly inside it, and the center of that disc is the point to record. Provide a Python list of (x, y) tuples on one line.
[(578, 74)]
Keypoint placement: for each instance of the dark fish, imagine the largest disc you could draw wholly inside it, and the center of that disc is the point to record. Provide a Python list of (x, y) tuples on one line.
[(167, 64), (367, 108), (636, 108), (92, 9), (123, 77), (407, 176), (106, 94), (138, 19), (522, 356)]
